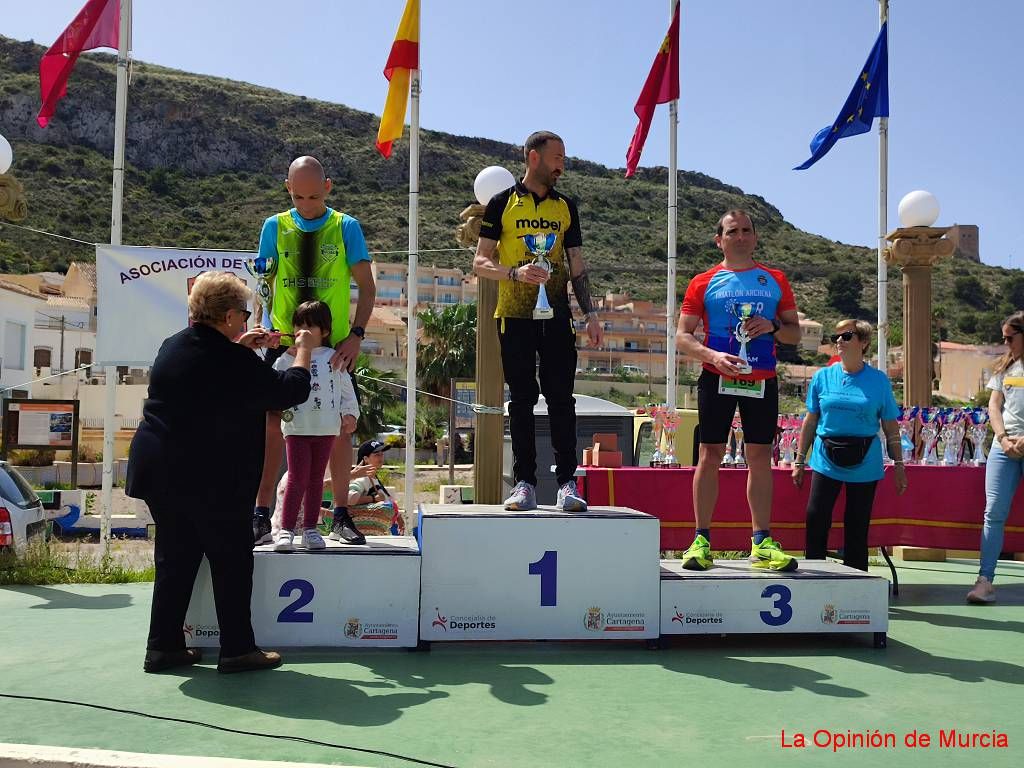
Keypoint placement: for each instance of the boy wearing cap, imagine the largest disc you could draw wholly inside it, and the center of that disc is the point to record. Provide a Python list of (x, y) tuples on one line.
[(369, 502)]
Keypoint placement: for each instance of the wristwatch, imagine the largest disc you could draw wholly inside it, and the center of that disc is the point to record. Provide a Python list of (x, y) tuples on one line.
[(358, 330), (775, 325)]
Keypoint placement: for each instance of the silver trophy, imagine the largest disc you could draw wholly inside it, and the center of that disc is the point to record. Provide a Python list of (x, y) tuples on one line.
[(952, 437), (743, 311), (740, 460), (262, 268), (979, 426), (929, 434), (728, 459), (906, 424), (540, 245)]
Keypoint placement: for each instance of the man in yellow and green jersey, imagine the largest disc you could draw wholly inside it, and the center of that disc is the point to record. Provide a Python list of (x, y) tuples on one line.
[(533, 207), (318, 251)]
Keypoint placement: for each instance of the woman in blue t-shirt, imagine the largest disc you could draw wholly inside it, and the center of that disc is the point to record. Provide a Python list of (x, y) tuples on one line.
[(846, 401)]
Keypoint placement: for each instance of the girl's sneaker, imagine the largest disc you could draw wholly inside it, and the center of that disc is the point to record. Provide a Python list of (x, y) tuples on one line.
[(284, 541), (311, 539), (982, 593)]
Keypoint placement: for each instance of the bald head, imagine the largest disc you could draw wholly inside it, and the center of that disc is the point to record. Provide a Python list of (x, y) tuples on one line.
[(307, 164), (309, 186)]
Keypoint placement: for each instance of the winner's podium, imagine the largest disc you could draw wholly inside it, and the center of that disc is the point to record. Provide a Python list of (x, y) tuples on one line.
[(732, 597), (491, 574), (344, 595)]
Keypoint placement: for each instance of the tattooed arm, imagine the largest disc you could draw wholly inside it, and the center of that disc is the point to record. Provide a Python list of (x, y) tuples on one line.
[(580, 279)]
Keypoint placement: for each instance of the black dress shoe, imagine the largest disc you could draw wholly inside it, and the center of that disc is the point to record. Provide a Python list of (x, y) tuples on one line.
[(158, 661), (248, 662), (344, 529)]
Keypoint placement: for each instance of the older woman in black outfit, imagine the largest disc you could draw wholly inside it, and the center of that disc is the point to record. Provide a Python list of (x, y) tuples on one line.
[(196, 460)]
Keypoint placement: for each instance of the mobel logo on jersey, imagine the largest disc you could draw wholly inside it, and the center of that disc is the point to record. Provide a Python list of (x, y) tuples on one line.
[(537, 224)]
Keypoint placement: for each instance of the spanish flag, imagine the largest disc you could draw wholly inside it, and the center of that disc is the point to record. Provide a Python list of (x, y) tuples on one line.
[(404, 57), (661, 87)]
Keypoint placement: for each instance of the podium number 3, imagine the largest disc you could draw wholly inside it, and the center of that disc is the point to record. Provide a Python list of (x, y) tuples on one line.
[(781, 598), (291, 614), (547, 569)]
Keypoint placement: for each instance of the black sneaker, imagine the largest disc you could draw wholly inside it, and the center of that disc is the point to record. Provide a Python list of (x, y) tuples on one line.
[(343, 529), (260, 530)]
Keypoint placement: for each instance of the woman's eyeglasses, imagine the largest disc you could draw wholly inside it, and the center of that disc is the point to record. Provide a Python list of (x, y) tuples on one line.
[(246, 314), (1009, 339), (845, 336)]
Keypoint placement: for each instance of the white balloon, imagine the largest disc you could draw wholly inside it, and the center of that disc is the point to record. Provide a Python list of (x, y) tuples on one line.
[(6, 155), (918, 209), (490, 181)]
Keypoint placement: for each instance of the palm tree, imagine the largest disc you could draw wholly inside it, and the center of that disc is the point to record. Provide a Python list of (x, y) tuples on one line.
[(448, 350), (374, 397)]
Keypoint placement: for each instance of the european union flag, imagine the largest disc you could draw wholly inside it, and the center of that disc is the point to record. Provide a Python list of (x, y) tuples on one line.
[(868, 99)]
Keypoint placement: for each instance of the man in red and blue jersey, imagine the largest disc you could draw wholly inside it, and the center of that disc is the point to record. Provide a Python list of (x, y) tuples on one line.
[(745, 308)]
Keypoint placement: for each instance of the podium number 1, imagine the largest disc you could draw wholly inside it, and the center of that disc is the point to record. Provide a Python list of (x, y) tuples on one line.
[(547, 569)]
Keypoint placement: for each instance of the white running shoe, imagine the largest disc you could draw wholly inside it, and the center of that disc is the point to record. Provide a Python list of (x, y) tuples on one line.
[(569, 499), (311, 539), (522, 498), (285, 541)]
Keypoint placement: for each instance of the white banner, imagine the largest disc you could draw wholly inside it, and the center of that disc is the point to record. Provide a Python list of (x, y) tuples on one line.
[(143, 296)]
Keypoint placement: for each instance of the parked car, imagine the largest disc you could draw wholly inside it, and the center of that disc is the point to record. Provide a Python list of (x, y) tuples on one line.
[(633, 370), (391, 430), (22, 517)]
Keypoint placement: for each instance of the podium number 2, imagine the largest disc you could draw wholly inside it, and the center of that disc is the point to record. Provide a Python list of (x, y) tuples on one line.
[(780, 602), (291, 614), (547, 569)]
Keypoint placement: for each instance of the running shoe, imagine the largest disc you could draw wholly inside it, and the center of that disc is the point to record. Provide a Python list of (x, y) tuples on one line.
[(522, 498), (569, 499), (698, 556), (769, 556)]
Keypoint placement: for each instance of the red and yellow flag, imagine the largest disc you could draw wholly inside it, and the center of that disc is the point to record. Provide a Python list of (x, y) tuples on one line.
[(404, 57), (661, 87)]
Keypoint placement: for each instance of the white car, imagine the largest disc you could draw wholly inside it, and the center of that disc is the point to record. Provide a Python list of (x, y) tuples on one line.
[(22, 517), (391, 430)]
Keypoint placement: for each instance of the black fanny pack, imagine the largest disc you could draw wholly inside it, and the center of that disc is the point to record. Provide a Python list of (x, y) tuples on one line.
[(847, 451)]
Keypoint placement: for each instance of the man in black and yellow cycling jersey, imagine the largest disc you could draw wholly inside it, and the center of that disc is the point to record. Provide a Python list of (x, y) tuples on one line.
[(318, 252), (533, 207)]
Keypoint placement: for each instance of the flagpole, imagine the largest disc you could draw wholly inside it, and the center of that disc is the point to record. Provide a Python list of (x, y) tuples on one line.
[(883, 206), (120, 114), (673, 200), (412, 290), (670, 292)]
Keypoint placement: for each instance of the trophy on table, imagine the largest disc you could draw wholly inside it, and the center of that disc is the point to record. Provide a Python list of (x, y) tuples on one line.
[(737, 429), (540, 246), (787, 441), (906, 420), (886, 458), (743, 311), (729, 459), (952, 436), (979, 426), (929, 434), (671, 425), (657, 427), (262, 268)]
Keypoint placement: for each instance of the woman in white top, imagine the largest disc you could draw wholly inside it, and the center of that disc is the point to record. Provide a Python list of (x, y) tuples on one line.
[(1006, 459)]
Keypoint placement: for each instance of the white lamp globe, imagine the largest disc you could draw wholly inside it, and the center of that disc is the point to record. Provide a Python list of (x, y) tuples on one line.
[(6, 154), (490, 181), (918, 209)]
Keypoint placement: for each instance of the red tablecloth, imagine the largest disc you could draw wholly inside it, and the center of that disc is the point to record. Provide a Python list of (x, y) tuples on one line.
[(943, 507)]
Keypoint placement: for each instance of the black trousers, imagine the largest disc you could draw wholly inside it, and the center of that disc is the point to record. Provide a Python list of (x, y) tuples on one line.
[(860, 497), (553, 343), (221, 529)]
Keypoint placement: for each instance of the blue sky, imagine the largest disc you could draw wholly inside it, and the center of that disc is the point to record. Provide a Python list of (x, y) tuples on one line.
[(758, 79)]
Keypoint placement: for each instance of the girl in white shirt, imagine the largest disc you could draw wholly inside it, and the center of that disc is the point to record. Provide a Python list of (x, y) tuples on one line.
[(310, 429)]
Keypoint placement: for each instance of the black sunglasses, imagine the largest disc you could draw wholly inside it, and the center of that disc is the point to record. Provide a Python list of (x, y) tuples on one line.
[(246, 314), (845, 336)]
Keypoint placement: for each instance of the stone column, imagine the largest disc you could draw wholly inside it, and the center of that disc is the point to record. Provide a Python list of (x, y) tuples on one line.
[(915, 250)]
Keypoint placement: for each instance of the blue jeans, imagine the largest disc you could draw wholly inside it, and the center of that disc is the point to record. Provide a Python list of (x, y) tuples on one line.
[(1002, 476)]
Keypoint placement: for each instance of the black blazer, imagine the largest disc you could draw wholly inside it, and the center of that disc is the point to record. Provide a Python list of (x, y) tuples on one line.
[(203, 425)]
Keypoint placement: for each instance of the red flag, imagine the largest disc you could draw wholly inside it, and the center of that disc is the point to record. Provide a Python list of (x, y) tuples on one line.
[(95, 26), (662, 86), (404, 57)]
